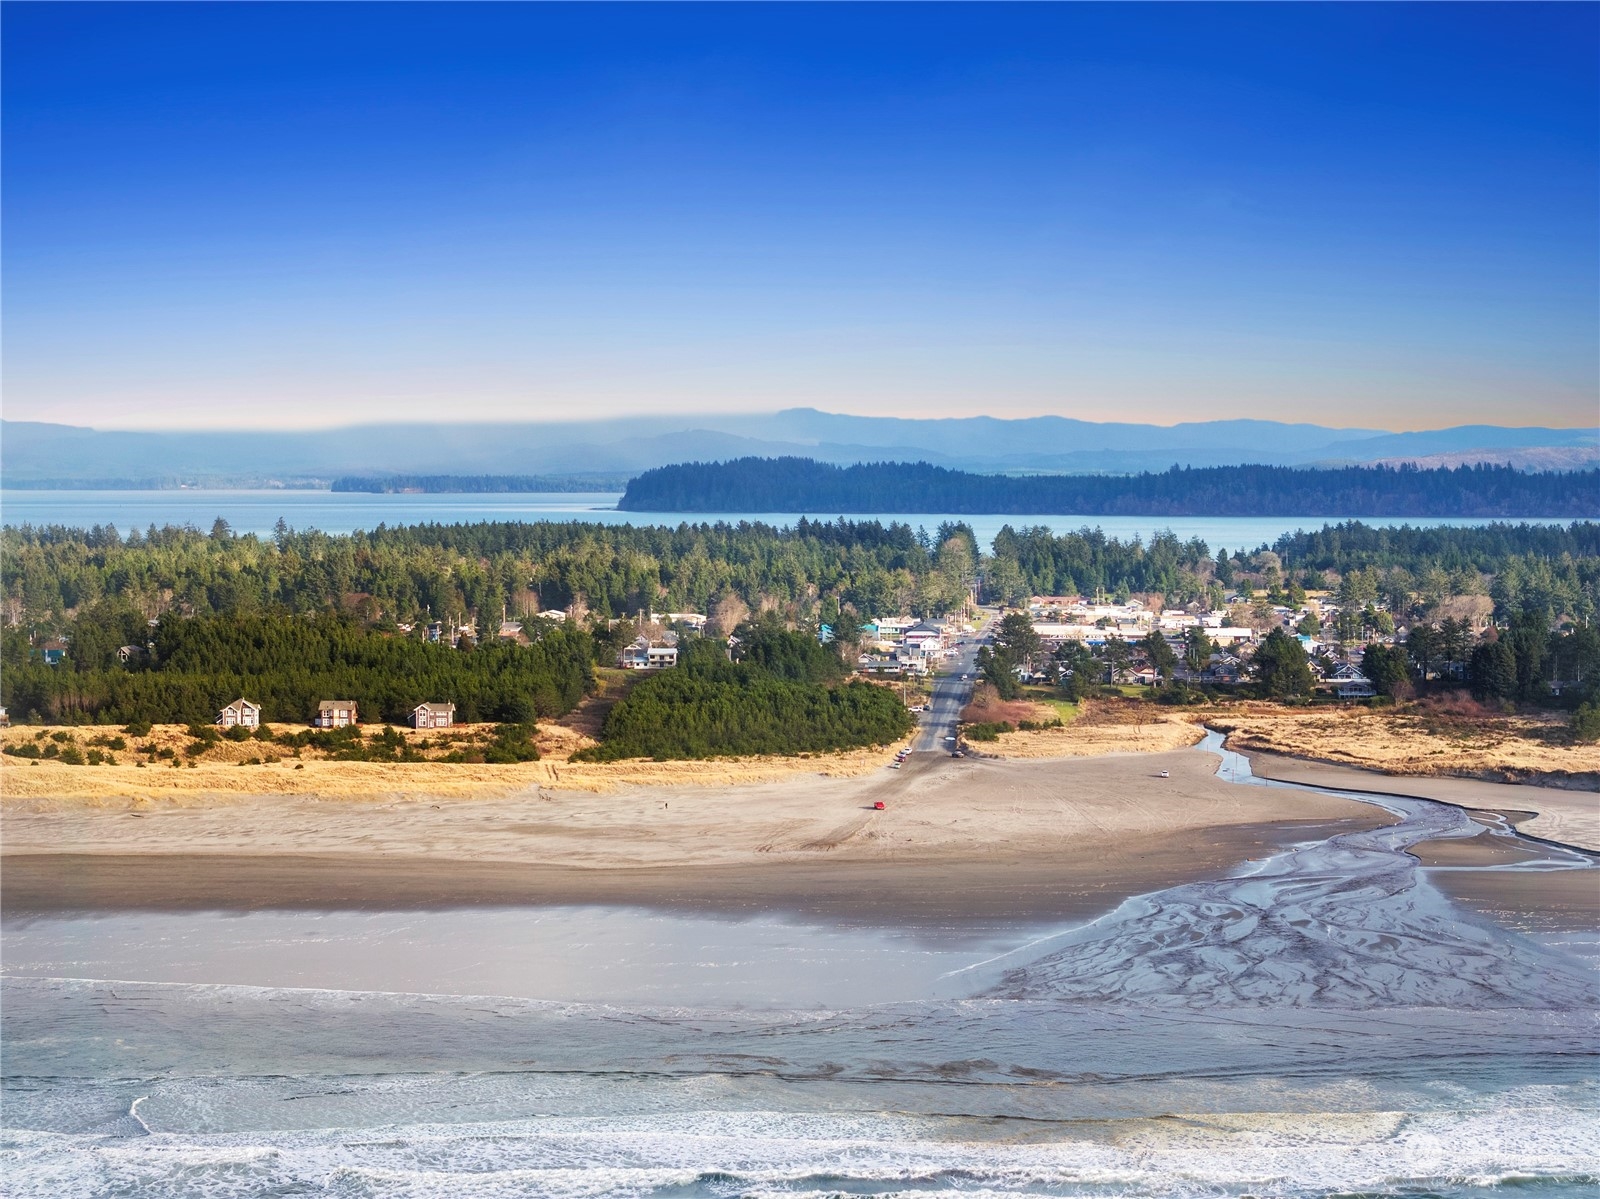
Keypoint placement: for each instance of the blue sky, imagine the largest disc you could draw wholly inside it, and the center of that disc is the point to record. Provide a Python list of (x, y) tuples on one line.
[(297, 215)]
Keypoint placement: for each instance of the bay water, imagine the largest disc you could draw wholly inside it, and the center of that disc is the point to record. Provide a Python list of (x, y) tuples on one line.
[(343, 512)]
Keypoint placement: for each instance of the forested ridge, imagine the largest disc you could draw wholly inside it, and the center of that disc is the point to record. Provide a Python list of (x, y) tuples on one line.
[(1547, 572), (805, 485), (287, 664), (481, 570), (811, 571)]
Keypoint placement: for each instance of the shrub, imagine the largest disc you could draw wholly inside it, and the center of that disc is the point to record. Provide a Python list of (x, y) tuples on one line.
[(72, 756), (1586, 723), (989, 730), (26, 750), (236, 732), (512, 743), (137, 728)]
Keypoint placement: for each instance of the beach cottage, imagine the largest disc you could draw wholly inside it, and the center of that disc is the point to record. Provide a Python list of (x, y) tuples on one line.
[(433, 716), (335, 714), (241, 713)]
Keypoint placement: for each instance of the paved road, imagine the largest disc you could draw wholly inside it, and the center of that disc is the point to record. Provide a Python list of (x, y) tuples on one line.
[(951, 691)]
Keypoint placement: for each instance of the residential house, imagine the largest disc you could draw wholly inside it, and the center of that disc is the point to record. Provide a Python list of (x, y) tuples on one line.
[(433, 716), (1349, 683), (642, 654), (1223, 669), (127, 654), (335, 714), (693, 620), (53, 651), (240, 713)]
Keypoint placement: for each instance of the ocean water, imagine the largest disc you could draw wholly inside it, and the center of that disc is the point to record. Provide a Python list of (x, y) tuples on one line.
[(1322, 1023), (342, 512)]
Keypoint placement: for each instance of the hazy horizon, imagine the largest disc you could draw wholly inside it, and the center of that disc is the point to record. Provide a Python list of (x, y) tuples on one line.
[(691, 415), (291, 217)]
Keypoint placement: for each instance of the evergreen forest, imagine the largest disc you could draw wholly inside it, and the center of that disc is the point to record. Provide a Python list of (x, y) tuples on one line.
[(780, 697), (194, 666), (805, 485)]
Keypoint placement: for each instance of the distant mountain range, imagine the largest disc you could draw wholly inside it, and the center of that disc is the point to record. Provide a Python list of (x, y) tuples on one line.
[(34, 454)]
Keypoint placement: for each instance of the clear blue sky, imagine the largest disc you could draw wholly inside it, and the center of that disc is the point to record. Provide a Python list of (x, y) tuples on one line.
[(1362, 214)]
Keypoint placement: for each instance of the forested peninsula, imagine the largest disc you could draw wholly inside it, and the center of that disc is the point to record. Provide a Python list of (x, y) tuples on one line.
[(805, 485)]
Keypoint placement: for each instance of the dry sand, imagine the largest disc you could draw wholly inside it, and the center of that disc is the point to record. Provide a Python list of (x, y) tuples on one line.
[(1082, 739), (958, 840), (225, 774), (1418, 740)]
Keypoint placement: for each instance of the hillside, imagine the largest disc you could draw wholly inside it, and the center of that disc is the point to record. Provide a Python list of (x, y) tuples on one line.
[(34, 454)]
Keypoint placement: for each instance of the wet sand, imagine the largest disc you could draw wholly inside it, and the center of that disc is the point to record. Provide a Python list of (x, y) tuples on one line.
[(958, 840), (1552, 814), (1074, 885), (1528, 900)]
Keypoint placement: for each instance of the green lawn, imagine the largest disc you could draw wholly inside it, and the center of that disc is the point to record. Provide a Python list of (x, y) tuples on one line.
[(1066, 710)]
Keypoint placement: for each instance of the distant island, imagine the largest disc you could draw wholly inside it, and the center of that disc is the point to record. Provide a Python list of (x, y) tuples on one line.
[(805, 485), (479, 484)]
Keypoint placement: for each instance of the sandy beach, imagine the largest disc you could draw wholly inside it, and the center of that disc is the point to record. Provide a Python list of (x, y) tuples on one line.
[(957, 839)]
